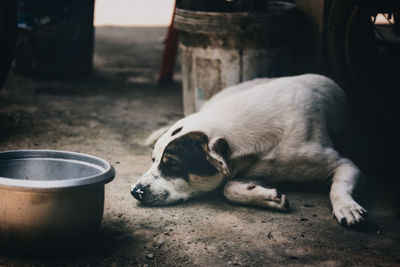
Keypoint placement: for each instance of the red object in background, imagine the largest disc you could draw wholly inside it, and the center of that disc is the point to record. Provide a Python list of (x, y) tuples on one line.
[(169, 54)]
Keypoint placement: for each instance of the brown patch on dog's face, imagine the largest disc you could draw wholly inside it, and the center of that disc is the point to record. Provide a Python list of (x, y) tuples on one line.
[(186, 155)]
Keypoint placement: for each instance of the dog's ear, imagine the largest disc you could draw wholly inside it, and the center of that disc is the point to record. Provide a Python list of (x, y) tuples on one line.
[(217, 154)]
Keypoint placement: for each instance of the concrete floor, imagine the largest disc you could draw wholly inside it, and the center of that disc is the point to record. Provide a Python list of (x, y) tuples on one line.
[(110, 113)]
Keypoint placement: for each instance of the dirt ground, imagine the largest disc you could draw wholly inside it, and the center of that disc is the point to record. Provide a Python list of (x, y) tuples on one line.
[(110, 113)]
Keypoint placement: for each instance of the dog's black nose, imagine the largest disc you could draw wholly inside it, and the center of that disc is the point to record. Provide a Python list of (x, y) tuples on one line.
[(139, 192)]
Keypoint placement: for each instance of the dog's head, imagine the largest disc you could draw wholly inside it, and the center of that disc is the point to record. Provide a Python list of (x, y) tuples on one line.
[(184, 165)]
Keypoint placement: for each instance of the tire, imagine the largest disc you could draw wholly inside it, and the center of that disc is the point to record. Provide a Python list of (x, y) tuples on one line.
[(8, 31), (367, 73), (351, 47)]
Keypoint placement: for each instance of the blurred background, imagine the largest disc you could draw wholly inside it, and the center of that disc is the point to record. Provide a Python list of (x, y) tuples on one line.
[(133, 12)]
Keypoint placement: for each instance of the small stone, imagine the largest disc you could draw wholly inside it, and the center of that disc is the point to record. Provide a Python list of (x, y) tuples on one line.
[(269, 235), (303, 219), (157, 245), (150, 256), (117, 162)]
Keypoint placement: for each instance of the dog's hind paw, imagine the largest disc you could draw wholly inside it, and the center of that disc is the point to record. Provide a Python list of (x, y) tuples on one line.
[(349, 214), (279, 203)]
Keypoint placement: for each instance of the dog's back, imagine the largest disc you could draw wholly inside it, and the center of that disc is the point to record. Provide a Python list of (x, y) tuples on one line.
[(308, 107)]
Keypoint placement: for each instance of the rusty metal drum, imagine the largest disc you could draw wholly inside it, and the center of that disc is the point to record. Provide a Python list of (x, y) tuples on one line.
[(220, 49)]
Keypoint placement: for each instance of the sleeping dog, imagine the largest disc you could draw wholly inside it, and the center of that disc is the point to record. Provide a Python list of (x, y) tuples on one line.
[(253, 135)]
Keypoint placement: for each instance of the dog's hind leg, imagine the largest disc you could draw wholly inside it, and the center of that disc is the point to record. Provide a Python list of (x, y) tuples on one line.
[(345, 179), (251, 193)]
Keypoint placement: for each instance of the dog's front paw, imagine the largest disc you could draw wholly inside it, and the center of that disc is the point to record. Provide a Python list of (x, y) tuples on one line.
[(349, 214)]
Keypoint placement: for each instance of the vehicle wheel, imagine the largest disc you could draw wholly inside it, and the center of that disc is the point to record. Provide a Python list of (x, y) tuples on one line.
[(351, 47), (8, 31), (364, 57)]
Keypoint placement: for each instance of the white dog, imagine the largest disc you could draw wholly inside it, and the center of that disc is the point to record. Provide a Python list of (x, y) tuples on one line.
[(254, 134)]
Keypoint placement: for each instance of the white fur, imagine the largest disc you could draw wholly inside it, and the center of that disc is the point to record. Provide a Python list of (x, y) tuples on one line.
[(279, 130), (205, 184)]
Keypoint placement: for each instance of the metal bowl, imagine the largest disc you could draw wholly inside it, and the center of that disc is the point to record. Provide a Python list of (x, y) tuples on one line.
[(50, 199)]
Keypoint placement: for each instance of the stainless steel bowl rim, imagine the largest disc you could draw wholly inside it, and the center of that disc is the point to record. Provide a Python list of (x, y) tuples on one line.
[(107, 171)]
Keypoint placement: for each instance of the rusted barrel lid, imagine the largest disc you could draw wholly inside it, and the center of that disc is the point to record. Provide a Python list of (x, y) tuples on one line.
[(278, 18)]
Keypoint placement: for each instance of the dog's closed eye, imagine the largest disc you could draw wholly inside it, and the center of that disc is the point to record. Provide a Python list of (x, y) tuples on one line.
[(170, 159), (172, 166)]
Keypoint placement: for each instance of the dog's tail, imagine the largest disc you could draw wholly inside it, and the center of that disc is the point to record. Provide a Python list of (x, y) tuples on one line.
[(154, 136)]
